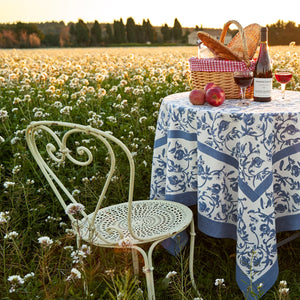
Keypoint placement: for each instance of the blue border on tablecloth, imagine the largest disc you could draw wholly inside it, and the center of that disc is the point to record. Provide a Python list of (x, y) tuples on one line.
[(187, 198), (172, 134), (216, 229), (288, 223), (267, 280)]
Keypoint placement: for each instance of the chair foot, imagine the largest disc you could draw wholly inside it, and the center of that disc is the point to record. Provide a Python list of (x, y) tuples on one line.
[(191, 259)]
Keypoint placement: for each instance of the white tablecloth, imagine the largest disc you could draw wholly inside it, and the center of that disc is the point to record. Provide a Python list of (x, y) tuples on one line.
[(241, 166)]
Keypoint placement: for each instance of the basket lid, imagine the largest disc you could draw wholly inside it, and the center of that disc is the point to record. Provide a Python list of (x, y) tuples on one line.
[(252, 35), (216, 47), (242, 47)]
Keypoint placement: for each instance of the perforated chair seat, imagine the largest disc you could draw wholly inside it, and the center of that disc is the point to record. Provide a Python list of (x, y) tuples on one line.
[(129, 224), (151, 220)]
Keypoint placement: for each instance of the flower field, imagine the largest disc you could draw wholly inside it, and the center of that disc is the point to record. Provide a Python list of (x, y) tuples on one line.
[(117, 90)]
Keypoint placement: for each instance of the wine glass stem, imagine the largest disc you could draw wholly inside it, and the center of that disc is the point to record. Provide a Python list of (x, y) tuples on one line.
[(243, 92), (283, 90)]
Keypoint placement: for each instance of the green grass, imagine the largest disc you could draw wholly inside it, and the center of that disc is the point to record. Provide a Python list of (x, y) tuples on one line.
[(43, 84)]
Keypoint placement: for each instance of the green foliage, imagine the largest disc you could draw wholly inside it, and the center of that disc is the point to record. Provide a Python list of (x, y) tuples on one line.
[(96, 34), (131, 31), (282, 33), (177, 31), (81, 33), (117, 90)]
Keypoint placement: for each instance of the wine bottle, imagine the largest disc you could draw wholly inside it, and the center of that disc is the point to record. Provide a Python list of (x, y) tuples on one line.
[(263, 71)]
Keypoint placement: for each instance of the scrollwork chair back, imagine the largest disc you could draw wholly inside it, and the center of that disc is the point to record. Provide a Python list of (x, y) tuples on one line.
[(112, 226)]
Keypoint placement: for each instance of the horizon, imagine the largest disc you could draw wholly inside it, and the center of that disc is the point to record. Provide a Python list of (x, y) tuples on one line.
[(190, 15), (124, 21)]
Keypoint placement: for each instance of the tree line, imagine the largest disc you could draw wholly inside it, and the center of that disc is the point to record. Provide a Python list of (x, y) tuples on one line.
[(81, 34)]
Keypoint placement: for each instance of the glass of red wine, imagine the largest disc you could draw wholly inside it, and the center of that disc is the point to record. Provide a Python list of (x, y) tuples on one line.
[(283, 76), (243, 79)]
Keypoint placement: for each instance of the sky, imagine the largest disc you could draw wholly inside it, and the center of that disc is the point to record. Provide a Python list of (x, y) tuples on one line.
[(209, 13)]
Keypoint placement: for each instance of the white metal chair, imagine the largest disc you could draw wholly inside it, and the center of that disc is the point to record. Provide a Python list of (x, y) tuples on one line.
[(128, 224)]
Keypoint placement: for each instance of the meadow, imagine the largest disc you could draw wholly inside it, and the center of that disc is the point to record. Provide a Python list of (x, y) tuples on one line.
[(117, 90)]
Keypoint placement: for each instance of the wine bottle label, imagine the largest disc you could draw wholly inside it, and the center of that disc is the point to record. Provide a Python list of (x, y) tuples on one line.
[(262, 87)]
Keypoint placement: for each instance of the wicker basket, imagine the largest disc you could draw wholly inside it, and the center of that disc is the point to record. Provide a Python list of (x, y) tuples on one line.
[(220, 71)]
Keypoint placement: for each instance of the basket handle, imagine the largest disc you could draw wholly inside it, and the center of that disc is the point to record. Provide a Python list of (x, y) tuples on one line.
[(241, 30)]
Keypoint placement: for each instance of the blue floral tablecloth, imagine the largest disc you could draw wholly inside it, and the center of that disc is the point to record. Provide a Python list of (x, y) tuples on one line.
[(241, 166)]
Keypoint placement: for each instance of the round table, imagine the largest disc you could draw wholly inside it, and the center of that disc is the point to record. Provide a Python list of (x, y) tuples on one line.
[(241, 166)]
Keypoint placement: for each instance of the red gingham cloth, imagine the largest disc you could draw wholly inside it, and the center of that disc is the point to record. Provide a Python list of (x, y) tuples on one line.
[(218, 65)]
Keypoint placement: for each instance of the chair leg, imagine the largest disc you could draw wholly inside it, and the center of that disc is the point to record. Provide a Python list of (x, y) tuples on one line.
[(148, 270), (191, 259), (135, 262)]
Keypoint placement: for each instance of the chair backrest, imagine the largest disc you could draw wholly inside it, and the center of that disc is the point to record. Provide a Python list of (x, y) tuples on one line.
[(53, 143)]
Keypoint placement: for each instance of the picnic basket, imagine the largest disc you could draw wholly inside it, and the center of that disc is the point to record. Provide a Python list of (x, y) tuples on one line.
[(236, 56)]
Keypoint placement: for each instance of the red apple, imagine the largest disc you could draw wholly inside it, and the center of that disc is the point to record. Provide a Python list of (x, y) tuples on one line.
[(197, 97), (208, 86), (215, 96)]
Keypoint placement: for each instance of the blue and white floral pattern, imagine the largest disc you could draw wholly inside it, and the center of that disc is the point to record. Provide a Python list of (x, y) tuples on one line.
[(241, 166)]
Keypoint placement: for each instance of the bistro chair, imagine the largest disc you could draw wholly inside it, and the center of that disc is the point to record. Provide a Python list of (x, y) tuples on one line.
[(130, 224)]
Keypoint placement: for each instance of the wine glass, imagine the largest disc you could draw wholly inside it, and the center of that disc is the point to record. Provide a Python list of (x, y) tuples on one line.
[(283, 76), (243, 79)]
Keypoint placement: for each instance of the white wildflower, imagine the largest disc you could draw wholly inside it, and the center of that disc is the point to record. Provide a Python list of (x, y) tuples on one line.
[(14, 140), (112, 119), (66, 110), (142, 119), (70, 231), (86, 249), (15, 281), (2, 140), (283, 283), (29, 181), (151, 128), (124, 102), (101, 92), (259, 287), (3, 114), (75, 274), (75, 192), (219, 282), (284, 291), (4, 217), (29, 275), (8, 184), (77, 256), (74, 208), (45, 241), (171, 274), (69, 248), (16, 169), (11, 235)]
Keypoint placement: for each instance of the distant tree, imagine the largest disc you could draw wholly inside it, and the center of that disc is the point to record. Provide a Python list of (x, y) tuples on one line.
[(51, 39), (122, 31), (34, 40), (82, 33), (8, 39), (119, 32), (166, 32), (72, 34), (149, 32), (131, 31), (65, 37), (96, 34), (282, 33), (177, 30), (108, 34), (140, 34)]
